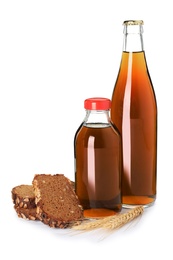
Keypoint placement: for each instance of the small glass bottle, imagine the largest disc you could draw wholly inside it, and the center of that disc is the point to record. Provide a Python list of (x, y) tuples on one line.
[(98, 161), (134, 112)]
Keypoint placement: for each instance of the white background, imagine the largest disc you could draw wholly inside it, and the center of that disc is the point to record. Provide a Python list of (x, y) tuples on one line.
[(53, 55)]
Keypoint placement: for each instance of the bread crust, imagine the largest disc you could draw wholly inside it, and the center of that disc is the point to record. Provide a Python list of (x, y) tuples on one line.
[(28, 214)]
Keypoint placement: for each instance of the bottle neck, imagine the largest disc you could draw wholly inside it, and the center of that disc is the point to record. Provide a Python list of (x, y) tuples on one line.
[(97, 118), (133, 40)]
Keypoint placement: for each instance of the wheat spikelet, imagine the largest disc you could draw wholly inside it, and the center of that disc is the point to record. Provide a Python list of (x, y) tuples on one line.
[(119, 221), (112, 222)]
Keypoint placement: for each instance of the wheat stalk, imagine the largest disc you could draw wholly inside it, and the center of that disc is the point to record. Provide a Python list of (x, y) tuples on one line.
[(112, 222)]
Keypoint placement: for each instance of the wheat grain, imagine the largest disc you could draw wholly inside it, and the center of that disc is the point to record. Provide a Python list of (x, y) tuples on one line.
[(112, 222)]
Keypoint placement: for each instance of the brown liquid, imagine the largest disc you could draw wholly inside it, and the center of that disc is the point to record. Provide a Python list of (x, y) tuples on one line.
[(98, 169), (134, 112)]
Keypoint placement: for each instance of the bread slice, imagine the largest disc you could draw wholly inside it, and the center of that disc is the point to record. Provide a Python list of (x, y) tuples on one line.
[(24, 201), (57, 203), (23, 196)]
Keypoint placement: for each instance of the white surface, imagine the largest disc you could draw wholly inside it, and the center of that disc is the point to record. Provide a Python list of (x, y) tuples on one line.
[(53, 55)]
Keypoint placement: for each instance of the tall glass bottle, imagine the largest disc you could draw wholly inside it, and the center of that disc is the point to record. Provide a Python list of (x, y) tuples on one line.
[(134, 112)]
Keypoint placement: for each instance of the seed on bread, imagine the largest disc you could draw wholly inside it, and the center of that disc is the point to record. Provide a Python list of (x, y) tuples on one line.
[(28, 214)]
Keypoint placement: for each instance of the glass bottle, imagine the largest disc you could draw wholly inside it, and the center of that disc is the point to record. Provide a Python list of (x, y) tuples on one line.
[(98, 161), (134, 112)]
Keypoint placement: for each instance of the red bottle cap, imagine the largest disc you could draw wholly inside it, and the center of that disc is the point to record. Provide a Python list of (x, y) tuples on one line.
[(97, 103)]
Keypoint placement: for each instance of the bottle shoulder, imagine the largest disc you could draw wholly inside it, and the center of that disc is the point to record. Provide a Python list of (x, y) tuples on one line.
[(133, 71), (97, 131), (133, 88), (133, 58)]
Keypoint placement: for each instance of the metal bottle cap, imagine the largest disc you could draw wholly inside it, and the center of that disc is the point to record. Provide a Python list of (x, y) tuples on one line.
[(133, 22)]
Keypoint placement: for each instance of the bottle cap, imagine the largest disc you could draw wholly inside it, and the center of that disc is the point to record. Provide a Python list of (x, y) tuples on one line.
[(133, 22), (97, 103)]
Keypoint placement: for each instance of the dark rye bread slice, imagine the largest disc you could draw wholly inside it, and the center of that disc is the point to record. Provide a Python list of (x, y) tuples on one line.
[(23, 196), (57, 203), (24, 201)]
